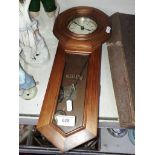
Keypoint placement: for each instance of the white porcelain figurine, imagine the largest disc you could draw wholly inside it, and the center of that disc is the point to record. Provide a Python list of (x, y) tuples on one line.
[(27, 85), (34, 49)]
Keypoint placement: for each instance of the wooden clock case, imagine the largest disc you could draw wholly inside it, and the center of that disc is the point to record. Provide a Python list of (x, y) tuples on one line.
[(70, 43)]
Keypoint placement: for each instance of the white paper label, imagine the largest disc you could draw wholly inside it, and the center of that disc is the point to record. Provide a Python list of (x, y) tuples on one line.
[(65, 120), (69, 105), (108, 29)]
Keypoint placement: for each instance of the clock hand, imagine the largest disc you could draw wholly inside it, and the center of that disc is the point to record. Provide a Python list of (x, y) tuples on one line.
[(87, 29), (82, 27), (77, 24)]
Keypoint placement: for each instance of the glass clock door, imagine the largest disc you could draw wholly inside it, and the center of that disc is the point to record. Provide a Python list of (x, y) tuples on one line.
[(69, 112)]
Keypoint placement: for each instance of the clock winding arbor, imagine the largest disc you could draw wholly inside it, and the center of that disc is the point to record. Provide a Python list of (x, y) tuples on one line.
[(69, 114)]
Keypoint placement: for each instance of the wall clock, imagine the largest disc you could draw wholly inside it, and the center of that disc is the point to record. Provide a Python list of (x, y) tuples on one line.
[(69, 114)]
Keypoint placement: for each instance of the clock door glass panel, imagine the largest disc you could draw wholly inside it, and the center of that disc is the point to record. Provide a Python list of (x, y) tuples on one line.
[(69, 113)]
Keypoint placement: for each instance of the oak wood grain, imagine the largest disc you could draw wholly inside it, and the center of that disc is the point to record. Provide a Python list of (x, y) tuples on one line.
[(71, 43)]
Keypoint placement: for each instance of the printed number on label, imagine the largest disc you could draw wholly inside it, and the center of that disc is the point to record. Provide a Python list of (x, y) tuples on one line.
[(65, 120)]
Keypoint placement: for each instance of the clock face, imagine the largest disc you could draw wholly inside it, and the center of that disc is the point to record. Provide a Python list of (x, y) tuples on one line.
[(82, 25)]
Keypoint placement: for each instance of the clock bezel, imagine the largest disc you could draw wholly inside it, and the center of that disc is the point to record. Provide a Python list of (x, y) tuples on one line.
[(72, 41)]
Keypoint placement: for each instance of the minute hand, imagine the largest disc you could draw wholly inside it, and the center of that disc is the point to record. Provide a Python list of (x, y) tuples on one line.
[(82, 27)]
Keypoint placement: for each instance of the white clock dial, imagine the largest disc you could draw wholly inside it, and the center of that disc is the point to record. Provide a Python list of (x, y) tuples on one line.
[(82, 25)]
